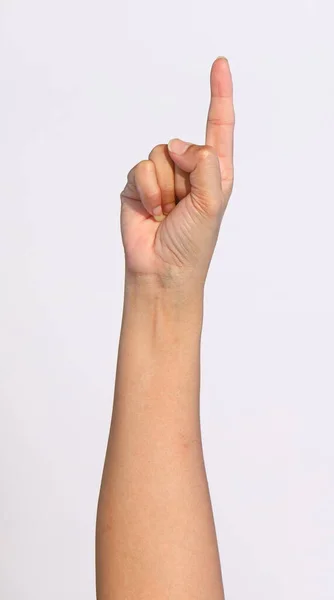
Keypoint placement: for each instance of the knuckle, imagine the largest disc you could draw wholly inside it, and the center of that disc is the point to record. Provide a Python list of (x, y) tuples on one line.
[(206, 152), (143, 165), (152, 196), (228, 175), (142, 168), (130, 174), (230, 122), (158, 149)]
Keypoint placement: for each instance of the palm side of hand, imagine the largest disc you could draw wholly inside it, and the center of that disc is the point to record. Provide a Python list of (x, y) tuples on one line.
[(192, 190), (152, 246)]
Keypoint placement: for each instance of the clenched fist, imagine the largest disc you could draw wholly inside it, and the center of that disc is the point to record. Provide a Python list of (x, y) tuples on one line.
[(173, 203)]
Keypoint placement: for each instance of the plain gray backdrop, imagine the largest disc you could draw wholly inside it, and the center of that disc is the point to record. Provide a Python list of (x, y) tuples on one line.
[(87, 88)]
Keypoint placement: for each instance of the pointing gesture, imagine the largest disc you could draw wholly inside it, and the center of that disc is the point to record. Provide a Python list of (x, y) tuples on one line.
[(220, 123), (173, 202)]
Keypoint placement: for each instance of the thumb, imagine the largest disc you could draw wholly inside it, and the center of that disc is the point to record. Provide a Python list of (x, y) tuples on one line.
[(202, 163)]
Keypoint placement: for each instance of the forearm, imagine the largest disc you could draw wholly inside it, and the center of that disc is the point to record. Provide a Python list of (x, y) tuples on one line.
[(155, 531)]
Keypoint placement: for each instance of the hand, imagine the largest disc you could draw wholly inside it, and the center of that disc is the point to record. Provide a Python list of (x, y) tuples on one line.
[(173, 203)]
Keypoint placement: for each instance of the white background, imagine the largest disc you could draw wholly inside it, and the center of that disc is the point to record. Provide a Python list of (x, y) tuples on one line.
[(87, 88)]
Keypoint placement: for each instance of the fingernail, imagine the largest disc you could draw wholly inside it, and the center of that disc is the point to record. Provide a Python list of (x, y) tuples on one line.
[(178, 146), (169, 207), (158, 214), (222, 57)]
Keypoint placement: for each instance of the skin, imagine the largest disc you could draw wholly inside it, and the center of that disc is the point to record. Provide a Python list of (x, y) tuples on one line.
[(155, 533)]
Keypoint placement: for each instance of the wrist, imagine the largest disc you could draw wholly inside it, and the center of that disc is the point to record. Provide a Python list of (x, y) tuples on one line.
[(178, 292), (151, 298)]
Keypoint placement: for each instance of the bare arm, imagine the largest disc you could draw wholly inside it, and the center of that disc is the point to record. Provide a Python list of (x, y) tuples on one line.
[(155, 534)]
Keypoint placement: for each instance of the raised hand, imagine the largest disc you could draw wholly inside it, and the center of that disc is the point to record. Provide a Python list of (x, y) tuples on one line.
[(173, 203)]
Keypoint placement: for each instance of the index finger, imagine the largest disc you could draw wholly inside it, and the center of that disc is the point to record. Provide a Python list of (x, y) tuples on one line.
[(221, 117)]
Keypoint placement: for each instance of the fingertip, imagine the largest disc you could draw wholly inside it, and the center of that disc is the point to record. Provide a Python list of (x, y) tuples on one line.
[(157, 213), (168, 207), (221, 61), (177, 146), (220, 78)]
